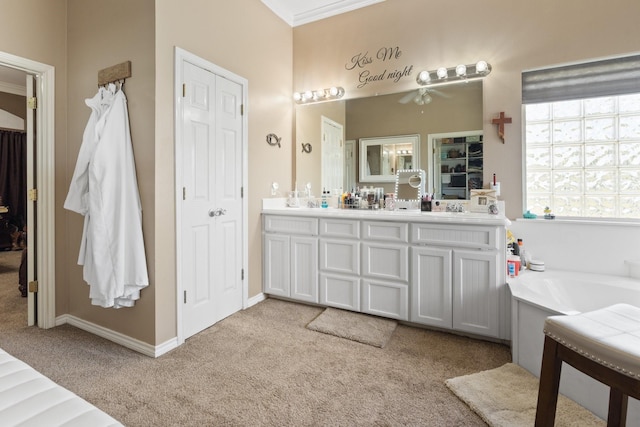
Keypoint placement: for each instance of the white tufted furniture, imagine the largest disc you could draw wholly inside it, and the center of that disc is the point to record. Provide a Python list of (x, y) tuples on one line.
[(29, 399), (604, 344)]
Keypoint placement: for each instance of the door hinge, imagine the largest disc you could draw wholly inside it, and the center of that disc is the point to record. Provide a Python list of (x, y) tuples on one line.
[(184, 193), (242, 274), (184, 90), (33, 194), (32, 103), (185, 297), (242, 109), (33, 286), (241, 192)]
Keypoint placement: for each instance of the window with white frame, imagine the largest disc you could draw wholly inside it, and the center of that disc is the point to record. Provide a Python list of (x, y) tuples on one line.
[(582, 139)]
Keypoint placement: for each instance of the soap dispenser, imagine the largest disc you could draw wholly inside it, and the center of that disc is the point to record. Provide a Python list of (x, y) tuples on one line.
[(325, 194)]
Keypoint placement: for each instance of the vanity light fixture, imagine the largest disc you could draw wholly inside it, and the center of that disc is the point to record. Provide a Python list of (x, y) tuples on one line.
[(454, 74), (335, 92)]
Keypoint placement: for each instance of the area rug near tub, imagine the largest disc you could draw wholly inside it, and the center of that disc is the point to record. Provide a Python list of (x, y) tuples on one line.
[(507, 396), (362, 328)]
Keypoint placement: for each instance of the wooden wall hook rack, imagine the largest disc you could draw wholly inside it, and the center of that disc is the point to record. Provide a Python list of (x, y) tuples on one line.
[(114, 73)]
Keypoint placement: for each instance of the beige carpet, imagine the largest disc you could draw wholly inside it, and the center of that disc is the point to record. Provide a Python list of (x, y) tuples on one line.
[(358, 327), (259, 367), (507, 397)]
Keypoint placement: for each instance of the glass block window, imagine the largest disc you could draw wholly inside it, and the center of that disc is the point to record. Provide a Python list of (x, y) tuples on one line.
[(582, 157)]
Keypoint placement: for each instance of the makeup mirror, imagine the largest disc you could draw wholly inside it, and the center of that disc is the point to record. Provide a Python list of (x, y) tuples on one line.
[(410, 184)]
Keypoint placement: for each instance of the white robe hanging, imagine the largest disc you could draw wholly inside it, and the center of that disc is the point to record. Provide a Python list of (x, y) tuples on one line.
[(104, 189)]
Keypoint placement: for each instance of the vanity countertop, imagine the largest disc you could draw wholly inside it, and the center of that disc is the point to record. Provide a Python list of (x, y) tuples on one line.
[(272, 206)]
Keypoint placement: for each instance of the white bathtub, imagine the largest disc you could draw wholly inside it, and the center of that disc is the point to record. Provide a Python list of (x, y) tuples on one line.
[(536, 295)]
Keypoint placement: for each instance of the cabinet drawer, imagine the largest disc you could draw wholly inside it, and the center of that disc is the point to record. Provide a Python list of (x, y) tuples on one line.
[(459, 235), (340, 256), (385, 261), (385, 231), (340, 291), (340, 228), (290, 225), (385, 299)]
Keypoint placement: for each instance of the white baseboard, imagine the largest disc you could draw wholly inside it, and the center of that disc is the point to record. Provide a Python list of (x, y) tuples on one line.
[(132, 343), (256, 299), (118, 338)]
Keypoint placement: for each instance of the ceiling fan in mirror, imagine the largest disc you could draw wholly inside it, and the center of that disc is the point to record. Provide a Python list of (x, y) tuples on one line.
[(422, 96)]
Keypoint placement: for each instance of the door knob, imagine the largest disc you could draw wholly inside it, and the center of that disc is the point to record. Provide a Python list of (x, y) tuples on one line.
[(217, 212)]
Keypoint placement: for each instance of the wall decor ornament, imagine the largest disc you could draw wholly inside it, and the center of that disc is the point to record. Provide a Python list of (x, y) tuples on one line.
[(500, 121), (306, 148), (273, 139)]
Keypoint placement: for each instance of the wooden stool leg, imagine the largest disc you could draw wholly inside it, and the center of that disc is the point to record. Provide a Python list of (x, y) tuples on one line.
[(549, 384), (617, 416)]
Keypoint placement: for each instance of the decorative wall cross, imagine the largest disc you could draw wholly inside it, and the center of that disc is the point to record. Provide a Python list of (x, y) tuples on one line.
[(501, 122)]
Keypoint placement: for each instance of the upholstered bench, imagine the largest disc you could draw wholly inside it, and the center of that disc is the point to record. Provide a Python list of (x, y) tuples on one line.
[(28, 398), (604, 344)]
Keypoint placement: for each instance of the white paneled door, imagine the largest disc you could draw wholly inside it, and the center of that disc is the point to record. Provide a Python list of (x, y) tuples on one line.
[(211, 212)]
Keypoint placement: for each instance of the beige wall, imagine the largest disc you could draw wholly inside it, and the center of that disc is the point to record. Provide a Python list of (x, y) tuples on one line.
[(37, 30), (511, 35), (101, 34), (79, 38), (15, 104), (246, 38)]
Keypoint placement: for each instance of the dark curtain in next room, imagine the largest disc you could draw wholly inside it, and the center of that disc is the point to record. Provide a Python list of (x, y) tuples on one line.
[(13, 175)]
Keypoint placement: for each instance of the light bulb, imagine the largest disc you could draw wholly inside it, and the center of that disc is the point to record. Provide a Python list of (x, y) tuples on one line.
[(482, 67), (426, 98), (308, 94), (297, 96), (424, 77), (442, 73), (333, 91), (461, 70)]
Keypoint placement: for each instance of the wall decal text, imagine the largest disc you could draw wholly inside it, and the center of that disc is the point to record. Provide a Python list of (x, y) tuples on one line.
[(363, 62)]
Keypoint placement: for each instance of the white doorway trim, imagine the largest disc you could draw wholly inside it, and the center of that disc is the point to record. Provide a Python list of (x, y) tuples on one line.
[(181, 56), (45, 182)]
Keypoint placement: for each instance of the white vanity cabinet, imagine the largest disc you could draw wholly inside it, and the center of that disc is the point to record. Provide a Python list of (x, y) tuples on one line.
[(439, 270), (340, 263), (290, 265), (456, 279), (385, 269)]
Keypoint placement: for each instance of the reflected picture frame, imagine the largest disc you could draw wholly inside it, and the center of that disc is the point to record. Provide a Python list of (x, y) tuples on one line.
[(480, 200)]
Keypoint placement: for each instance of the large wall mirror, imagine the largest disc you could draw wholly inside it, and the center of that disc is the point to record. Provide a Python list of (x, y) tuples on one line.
[(452, 108)]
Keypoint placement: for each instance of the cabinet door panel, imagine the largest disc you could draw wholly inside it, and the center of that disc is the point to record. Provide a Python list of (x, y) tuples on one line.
[(431, 287), (304, 268), (385, 261), (290, 225), (340, 291), (385, 231), (475, 292), (340, 256), (463, 236), (385, 299), (341, 228), (276, 265)]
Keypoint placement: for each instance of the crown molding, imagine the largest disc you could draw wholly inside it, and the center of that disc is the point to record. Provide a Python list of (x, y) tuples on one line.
[(288, 10)]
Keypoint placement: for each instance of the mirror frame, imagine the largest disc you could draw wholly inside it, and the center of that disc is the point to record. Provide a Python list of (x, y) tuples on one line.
[(413, 139)]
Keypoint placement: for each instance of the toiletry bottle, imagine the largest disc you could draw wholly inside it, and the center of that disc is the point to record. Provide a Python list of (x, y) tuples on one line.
[(325, 204), (525, 257)]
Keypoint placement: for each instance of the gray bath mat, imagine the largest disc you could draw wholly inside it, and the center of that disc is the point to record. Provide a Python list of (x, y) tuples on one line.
[(362, 328)]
